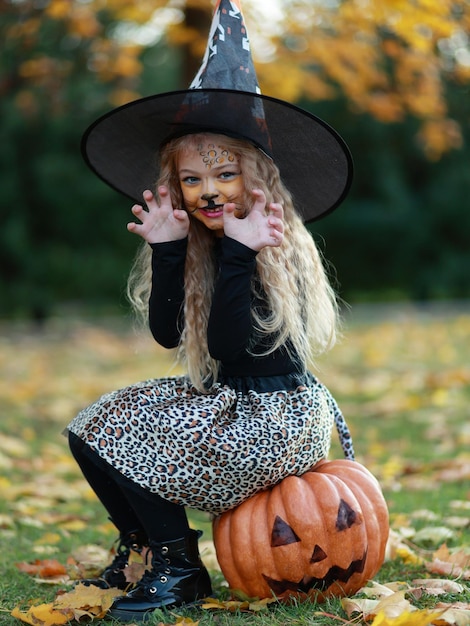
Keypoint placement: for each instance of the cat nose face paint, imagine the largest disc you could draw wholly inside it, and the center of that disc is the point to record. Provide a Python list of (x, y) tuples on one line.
[(210, 176)]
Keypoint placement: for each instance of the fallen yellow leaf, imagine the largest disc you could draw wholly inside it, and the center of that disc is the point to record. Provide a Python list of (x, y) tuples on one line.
[(382, 590), (88, 599), (43, 615), (407, 618), (48, 538), (225, 605), (82, 601), (73, 525), (389, 605)]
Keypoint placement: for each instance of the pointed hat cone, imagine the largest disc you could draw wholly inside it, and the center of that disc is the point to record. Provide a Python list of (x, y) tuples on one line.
[(315, 164), (227, 62)]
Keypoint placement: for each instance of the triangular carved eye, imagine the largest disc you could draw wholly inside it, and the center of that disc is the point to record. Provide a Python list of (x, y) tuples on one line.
[(318, 555), (282, 534), (347, 516)]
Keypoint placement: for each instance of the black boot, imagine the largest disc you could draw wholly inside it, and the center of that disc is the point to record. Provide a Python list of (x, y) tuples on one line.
[(177, 576), (113, 575)]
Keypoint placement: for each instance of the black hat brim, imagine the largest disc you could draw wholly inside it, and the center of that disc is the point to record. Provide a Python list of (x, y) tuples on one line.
[(122, 147)]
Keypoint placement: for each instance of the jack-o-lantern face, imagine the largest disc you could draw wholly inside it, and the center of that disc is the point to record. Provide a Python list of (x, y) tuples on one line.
[(320, 534), (283, 535)]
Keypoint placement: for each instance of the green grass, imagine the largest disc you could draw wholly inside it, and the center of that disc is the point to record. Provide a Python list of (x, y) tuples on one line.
[(403, 382)]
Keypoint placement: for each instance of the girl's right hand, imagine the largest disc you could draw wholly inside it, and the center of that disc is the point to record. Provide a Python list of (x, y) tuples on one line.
[(161, 222)]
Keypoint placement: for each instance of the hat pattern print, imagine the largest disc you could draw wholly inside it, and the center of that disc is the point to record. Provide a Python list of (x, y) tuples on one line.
[(227, 62)]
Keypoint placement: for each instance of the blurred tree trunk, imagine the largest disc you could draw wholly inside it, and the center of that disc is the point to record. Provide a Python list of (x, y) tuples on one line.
[(197, 20)]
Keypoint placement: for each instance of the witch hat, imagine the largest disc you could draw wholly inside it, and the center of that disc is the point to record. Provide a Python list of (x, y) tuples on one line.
[(122, 146)]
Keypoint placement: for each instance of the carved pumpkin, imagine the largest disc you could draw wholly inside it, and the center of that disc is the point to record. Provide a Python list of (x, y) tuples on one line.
[(317, 535)]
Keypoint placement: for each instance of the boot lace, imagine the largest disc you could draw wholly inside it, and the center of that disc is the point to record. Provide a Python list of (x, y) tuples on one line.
[(120, 559), (159, 570)]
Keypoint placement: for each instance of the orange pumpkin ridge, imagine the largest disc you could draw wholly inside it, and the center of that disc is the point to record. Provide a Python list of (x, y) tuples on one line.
[(368, 492), (347, 538), (318, 535)]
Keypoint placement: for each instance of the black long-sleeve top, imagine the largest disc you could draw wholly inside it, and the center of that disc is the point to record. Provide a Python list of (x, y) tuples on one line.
[(231, 336)]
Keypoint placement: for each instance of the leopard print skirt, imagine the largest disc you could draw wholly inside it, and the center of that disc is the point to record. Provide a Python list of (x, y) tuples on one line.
[(210, 451)]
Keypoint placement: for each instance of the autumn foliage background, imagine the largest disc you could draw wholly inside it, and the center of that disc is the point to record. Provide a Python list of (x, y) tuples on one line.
[(392, 76), (402, 378)]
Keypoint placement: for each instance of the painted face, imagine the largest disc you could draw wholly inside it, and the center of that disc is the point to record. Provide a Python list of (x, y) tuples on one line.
[(210, 176)]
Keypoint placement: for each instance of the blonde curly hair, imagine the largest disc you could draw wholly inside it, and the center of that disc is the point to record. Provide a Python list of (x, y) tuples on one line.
[(303, 305)]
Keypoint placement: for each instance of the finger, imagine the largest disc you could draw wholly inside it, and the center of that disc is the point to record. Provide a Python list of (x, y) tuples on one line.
[(165, 198), (132, 227), (180, 215), (276, 222), (148, 196), (229, 208), (137, 210), (260, 200), (277, 233), (276, 209)]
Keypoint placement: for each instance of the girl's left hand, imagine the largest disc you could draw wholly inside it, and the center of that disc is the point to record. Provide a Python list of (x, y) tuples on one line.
[(263, 225)]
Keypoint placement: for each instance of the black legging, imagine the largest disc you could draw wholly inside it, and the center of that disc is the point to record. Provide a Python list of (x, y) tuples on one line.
[(129, 506)]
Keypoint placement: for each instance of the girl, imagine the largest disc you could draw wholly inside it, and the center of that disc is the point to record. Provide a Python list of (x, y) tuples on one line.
[(229, 276)]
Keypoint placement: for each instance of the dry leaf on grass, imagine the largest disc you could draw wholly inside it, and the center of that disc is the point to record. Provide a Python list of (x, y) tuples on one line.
[(435, 586), (43, 615), (43, 569), (389, 606), (83, 601), (457, 614), (434, 535), (415, 618), (397, 548), (87, 561), (382, 590), (455, 564), (237, 605), (87, 599)]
